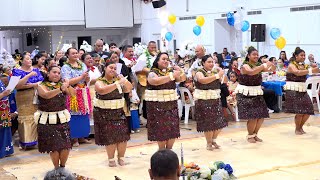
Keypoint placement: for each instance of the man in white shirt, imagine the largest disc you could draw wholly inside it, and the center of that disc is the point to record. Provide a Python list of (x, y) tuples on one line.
[(200, 52)]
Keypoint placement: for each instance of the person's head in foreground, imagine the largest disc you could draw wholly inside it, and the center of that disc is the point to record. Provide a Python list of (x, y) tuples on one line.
[(164, 165)]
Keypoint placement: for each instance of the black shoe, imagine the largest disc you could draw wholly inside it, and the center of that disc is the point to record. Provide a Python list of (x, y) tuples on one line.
[(276, 109)]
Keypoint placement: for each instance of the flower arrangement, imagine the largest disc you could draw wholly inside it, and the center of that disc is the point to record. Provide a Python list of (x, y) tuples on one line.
[(65, 47), (6, 59), (139, 49), (215, 170), (86, 46), (187, 48)]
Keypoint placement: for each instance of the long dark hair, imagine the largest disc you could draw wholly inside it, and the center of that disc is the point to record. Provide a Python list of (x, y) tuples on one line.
[(155, 63), (68, 51), (38, 56), (285, 54), (47, 62), (232, 60), (46, 78), (104, 67), (83, 57), (250, 50), (296, 52)]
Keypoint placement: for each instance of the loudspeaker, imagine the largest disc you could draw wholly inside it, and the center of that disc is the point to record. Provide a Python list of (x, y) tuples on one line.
[(136, 40), (258, 32), (158, 4), (29, 39)]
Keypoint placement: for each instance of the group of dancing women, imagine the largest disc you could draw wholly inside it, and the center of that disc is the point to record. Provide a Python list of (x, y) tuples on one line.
[(64, 103)]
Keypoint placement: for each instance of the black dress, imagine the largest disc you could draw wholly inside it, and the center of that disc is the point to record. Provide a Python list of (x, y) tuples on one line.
[(163, 117), (251, 107), (208, 113), (53, 137), (297, 102)]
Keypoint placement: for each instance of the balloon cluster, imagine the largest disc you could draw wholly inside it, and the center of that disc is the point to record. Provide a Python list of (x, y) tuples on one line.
[(275, 34), (200, 22), (235, 20), (172, 19)]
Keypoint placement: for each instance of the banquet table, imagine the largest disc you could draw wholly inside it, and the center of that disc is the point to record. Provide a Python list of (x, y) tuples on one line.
[(277, 87)]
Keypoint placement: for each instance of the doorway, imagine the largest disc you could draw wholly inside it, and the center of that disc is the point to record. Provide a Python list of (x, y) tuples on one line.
[(83, 38)]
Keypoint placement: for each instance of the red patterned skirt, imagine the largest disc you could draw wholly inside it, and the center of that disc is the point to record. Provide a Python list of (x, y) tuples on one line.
[(208, 115), (163, 120), (298, 103), (54, 137), (110, 126), (252, 107)]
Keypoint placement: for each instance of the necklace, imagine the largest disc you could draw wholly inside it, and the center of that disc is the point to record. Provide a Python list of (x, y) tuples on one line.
[(252, 65), (148, 59), (300, 65), (52, 85), (72, 67), (163, 72), (208, 73), (106, 81)]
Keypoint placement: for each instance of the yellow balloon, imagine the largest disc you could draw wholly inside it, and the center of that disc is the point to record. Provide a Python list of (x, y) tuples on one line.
[(280, 42), (200, 21), (172, 18)]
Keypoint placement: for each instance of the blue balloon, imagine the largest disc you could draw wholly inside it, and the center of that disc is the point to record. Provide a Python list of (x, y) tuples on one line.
[(229, 15), (275, 33), (197, 30), (169, 36), (230, 21), (245, 26)]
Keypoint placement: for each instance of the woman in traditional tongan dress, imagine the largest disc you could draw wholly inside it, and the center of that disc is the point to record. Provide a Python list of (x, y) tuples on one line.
[(297, 99), (251, 105), (27, 101), (78, 105), (110, 123), (208, 109), (161, 102), (52, 117)]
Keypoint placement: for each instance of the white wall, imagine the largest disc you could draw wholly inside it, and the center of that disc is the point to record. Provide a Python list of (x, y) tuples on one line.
[(299, 28), (119, 36), (41, 12), (11, 40), (108, 13)]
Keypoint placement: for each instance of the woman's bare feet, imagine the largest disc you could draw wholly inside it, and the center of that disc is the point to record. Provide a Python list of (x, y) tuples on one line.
[(302, 131), (298, 132), (112, 163)]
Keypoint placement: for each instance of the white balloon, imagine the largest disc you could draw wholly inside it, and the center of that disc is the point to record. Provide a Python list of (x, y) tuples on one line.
[(237, 17), (163, 16), (163, 32), (238, 25)]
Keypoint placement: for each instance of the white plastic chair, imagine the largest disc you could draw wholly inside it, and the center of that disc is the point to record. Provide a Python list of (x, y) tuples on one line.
[(187, 106), (315, 89)]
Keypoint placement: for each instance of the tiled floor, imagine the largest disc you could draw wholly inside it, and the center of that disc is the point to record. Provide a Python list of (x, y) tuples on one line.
[(140, 147)]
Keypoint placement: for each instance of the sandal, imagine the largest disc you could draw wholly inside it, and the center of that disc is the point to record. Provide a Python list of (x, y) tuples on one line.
[(214, 143), (209, 147), (112, 162), (121, 161), (257, 139), (251, 138), (84, 141)]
